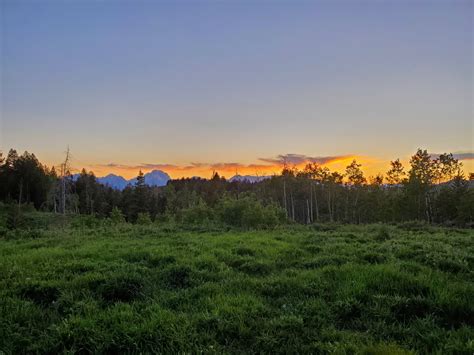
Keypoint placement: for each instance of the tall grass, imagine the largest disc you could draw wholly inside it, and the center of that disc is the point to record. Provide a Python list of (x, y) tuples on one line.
[(145, 288)]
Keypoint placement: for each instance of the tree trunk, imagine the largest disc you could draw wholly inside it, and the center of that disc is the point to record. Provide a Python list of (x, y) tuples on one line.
[(330, 206), (20, 197), (63, 196), (316, 204), (355, 204), (292, 207), (308, 218)]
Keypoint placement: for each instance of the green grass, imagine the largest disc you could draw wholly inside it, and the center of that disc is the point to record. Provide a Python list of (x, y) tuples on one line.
[(344, 289)]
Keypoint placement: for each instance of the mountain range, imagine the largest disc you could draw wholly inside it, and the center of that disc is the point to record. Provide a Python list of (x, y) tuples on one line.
[(153, 178), (159, 178), (248, 178)]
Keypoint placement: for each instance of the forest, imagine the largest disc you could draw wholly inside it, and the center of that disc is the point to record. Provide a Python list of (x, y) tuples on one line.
[(430, 189)]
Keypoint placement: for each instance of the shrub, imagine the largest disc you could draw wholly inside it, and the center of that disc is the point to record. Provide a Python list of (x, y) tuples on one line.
[(34, 233), (116, 216), (414, 226), (326, 227), (85, 221), (382, 234), (143, 218), (248, 212), (14, 217), (200, 214)]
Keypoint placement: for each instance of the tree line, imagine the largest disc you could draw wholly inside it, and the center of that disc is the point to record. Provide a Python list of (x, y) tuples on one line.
[(434, 190)]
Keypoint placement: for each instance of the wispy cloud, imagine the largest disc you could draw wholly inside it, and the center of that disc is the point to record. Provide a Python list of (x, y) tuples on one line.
[(459, 155), (464, 155), (143, 166), (297, 159), (191, 166), (292, 159), (267, 166)]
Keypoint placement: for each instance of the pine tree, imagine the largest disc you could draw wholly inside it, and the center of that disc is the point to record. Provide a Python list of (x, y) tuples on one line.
[(140, 179)]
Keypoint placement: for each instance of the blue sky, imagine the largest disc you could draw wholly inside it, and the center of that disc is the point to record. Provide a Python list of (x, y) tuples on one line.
[(176, 82)]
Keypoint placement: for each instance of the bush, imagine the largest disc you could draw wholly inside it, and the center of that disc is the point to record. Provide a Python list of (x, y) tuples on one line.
[(14, 217), (143, 218), (249, 213), (34, 233), (85, 221), (382, 234), (414, 226), (41, 220), (326, 227), (116, 216), (200, 214)]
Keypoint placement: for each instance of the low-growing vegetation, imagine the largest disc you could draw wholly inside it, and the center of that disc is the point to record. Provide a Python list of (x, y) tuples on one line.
[(111, 287)]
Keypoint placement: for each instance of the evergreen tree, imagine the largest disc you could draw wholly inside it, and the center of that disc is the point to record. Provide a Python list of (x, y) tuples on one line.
[(140, 183)]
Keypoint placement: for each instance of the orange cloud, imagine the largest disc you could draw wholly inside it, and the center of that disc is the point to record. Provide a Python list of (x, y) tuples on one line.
[(269, 166), (299, 159), (265, 166)]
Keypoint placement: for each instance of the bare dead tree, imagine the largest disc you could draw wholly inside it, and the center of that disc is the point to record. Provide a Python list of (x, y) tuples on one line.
[(65, 173)]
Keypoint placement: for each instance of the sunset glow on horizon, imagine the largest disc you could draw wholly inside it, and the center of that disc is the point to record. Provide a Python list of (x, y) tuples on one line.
[(195, 87), (370, 165)]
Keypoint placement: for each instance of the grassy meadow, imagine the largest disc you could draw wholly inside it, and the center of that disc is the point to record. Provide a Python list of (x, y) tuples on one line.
[(372, 289)]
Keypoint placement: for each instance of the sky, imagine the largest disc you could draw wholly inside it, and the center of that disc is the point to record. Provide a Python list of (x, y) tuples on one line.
[(191, 87)]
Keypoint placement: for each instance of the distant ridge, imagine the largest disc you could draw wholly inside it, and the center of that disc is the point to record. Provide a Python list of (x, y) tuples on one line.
[(248, 178), (160, 178), (114, 181), (154, 178), (117, 182)]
